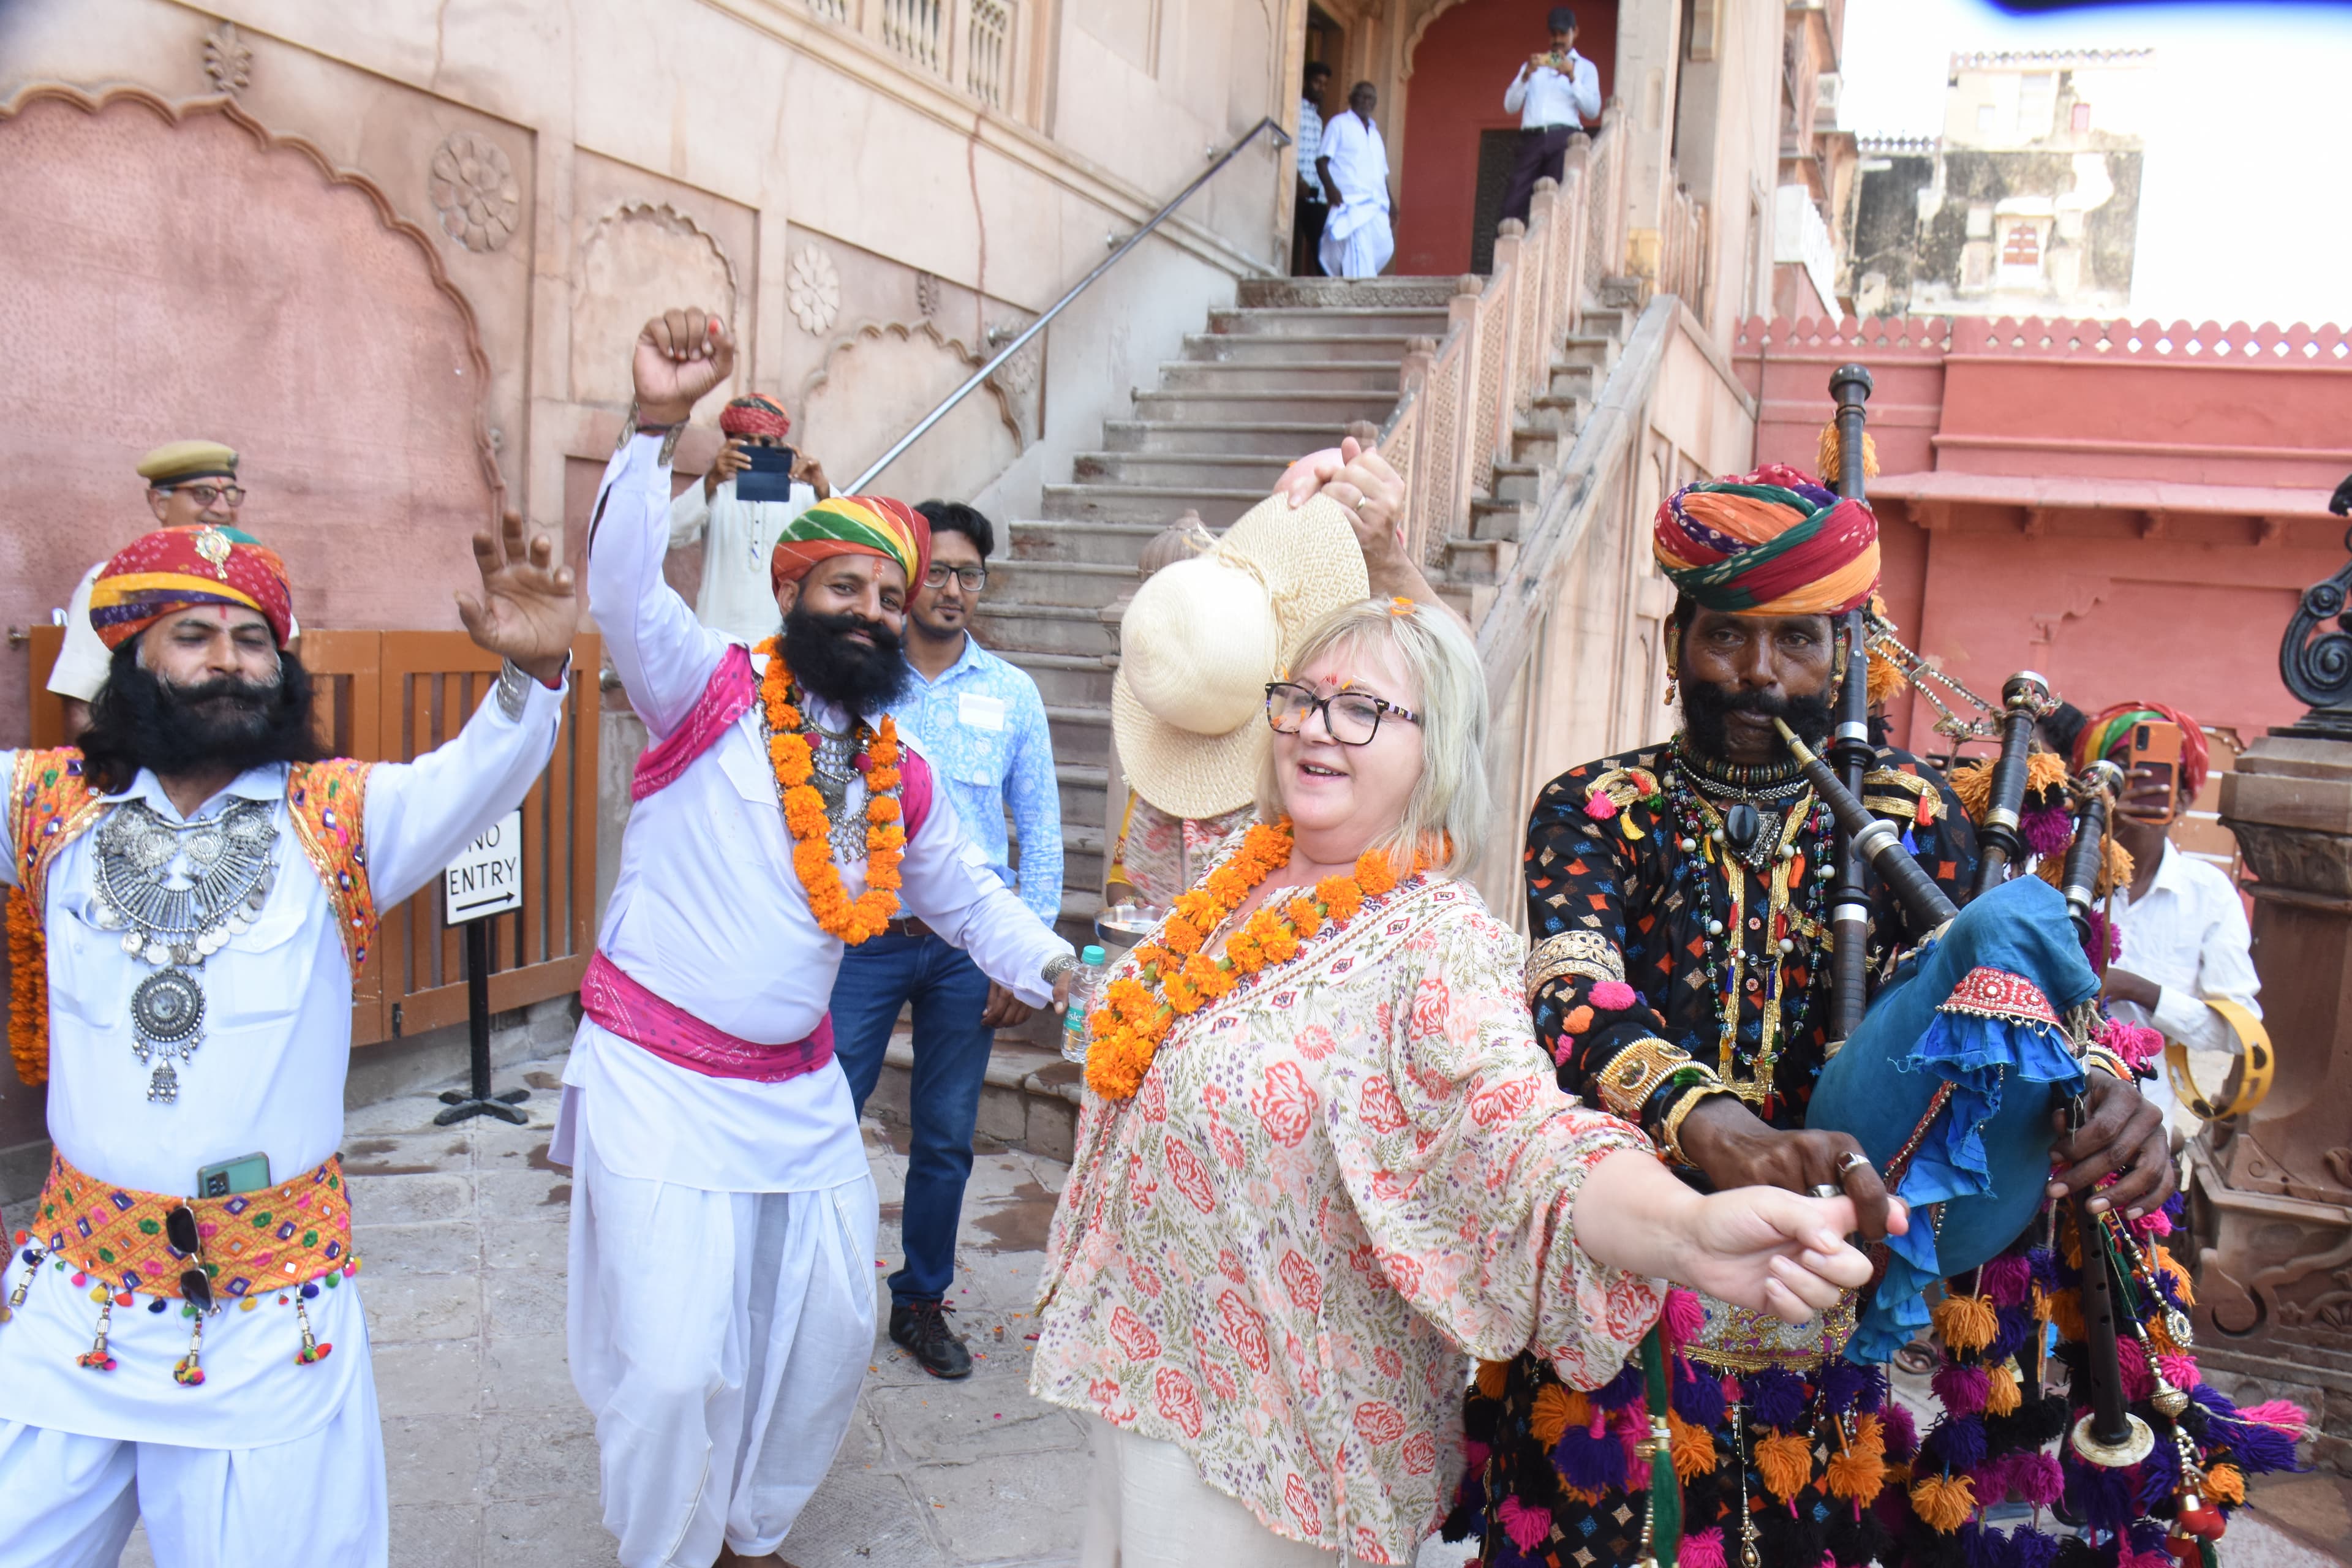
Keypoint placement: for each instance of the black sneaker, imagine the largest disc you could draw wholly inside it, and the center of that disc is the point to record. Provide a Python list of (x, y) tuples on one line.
[(921, 1328)]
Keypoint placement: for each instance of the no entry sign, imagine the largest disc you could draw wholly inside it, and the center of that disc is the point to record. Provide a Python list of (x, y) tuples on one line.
[(485, 879)]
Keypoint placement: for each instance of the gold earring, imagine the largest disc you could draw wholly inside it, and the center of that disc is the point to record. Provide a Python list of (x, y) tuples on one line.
[(1673, 688)]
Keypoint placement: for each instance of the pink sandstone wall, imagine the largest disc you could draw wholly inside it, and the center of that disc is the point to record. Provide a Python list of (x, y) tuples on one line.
[(2134, 511), (170, 280)]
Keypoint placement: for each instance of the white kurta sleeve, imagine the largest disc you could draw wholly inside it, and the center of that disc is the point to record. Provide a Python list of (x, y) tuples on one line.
[(1586, 85), (689, 514), (662, 653), (420, 813), (950, 885), (1515, 97), (2182, 1016)]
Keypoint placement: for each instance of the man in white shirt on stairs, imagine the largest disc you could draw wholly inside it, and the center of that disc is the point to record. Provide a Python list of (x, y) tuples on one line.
[(1556, 92), (1359, 236), (721, 1291)]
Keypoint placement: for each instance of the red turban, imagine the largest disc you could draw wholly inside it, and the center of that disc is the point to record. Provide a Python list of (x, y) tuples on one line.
[(176, 568), (2110, 727), (756, 414), (1773, 542), (853, 525)]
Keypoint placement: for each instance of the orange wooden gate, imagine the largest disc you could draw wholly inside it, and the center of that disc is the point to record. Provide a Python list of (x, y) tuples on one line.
[(392, 697)]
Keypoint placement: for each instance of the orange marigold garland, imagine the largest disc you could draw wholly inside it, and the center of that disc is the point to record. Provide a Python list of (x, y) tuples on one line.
[(790, 750), (1174, 977)]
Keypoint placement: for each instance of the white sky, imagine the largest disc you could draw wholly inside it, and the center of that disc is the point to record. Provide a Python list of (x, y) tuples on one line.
[(2246, 194)]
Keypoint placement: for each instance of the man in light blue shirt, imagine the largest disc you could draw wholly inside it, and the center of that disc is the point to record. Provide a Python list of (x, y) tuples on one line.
[(981, 725)]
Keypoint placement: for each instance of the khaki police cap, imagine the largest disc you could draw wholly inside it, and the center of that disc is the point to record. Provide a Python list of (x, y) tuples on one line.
[(178, 460)]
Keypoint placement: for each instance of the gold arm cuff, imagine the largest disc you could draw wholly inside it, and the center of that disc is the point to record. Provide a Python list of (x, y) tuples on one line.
[(1634, 1074), (1581, 953), (1670, 1127)]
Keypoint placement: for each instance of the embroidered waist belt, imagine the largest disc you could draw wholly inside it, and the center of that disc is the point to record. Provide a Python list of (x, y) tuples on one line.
[(619, 1004), (289, 1234)]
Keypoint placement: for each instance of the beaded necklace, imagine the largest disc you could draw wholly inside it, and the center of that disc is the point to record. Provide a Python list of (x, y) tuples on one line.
[(1799, 845)]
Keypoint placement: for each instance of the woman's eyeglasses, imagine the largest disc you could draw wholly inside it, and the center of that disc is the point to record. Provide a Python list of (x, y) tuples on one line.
[(1353, 718)]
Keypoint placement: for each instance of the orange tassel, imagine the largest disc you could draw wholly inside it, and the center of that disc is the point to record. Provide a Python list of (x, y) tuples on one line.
[(2066, 1314), (1692, 1448), (1858, 1472), (1830, 452), (1966, 1322), (1943, 1502), (1785, 1460), (2002, 1396), (1491, 1374), (1557, 1409), (2173, 1271), (2226, 1483)]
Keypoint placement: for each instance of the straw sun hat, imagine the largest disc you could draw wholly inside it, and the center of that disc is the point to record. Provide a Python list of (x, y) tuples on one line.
[(1203, 637)]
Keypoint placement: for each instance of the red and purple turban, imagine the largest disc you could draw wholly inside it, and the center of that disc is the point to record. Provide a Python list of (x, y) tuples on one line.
[(1773, 542), (2110, 727), (176, 568), (755, 414), (853, 525)]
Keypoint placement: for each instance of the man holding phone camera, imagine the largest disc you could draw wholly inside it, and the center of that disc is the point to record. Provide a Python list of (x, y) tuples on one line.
[(741, 508), (2186, 943)]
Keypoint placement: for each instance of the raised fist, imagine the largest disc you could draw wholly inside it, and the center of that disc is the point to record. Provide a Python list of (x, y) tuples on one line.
[(680, 355)]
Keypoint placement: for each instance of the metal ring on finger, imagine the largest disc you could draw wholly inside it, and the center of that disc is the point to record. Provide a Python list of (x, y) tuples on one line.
[(1822, 1190), (1853, 1160)]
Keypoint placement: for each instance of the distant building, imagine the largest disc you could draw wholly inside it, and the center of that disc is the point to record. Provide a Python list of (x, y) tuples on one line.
[(2027, 205)]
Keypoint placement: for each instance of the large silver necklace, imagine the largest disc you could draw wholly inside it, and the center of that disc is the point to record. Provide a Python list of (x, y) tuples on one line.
[(178, 891), (834, 763)]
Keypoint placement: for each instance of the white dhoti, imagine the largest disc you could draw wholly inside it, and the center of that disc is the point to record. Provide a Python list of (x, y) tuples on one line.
[(70, 1501), (720, 1339), (1357, 240)]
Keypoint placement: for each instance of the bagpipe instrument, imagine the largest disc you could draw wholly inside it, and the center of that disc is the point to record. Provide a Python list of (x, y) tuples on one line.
[(1850, 748), (2001, 839), (1949, 1080)]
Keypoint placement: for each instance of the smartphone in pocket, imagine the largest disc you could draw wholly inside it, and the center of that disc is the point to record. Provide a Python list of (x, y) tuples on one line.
[(770, 477), (2155, 757), (246, 1173)]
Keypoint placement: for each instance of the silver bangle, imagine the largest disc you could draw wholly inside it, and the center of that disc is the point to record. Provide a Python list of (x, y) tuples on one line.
[(514, 691), (1061, 963)]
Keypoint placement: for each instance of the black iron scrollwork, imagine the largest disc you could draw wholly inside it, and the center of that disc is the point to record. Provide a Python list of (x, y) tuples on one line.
[(2316, 657)]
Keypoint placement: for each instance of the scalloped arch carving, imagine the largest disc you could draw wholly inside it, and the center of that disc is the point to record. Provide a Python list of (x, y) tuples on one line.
[(876, 382), (638, 259), (220, 280)]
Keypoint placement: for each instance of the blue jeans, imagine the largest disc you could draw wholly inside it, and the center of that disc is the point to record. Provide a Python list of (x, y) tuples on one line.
[(877, 977)]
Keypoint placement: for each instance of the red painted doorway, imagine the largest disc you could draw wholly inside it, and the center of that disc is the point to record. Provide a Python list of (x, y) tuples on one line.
[(1460, 68)]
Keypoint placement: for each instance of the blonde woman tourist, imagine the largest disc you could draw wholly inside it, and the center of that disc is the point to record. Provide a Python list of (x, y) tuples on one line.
[(1322, 1161)]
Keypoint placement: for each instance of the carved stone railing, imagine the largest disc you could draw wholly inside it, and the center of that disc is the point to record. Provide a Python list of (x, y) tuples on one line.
[(970, 44), (1459, 398), (1682, 251)]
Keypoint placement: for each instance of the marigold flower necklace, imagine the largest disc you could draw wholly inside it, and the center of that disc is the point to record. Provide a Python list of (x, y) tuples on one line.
[(792, 744), (1175, 977)]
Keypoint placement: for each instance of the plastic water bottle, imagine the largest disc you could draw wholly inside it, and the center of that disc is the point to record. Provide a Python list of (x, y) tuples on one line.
[(1085, 982)]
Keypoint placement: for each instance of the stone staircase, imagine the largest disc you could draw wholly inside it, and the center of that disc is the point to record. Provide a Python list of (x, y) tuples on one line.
[(1282, 373)]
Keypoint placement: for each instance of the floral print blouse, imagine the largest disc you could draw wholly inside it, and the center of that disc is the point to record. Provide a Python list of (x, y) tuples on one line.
[(1333, 1185)]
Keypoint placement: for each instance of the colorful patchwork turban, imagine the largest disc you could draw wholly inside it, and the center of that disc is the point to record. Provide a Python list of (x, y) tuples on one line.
[(1773, 542), (756, 414), (853, 525), (2106, 729), (176, 568)]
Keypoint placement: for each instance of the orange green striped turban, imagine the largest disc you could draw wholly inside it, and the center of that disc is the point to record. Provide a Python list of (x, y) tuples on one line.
[(1773, 542), (2110, 727), (853, 525), (176, 568)]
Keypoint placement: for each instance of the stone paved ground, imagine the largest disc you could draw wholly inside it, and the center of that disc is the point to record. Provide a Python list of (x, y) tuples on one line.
[(492, 1460)]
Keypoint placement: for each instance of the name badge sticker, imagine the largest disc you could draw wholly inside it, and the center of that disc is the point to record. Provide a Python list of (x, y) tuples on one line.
[(976, 711)]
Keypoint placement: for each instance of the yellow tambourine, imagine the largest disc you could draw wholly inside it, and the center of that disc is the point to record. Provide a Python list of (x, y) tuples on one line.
[(2254, 1082)]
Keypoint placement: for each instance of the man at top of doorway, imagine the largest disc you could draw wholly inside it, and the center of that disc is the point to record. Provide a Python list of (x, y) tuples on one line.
[(1306, 226), (1358, 237), (1556, 92)]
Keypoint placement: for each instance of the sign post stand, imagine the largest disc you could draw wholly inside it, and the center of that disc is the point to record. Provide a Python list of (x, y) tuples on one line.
[(484, 880)]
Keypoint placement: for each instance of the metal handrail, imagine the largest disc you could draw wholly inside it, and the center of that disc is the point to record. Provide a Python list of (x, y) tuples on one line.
[(857, 486)]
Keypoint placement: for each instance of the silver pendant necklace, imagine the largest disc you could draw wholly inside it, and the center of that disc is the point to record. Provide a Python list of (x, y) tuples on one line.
[(178, 891), (834, 763)]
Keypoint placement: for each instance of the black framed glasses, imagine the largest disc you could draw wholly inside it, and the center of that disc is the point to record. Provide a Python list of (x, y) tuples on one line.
[(973, 578), (1353, 718), (205, 495), (180, 1230)]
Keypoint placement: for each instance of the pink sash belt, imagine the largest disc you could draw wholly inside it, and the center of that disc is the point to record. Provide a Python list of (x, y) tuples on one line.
[(619, 1004)]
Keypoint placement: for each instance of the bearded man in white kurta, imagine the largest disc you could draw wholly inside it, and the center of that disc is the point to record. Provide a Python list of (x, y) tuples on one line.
[(722, 1216), (197, 887)]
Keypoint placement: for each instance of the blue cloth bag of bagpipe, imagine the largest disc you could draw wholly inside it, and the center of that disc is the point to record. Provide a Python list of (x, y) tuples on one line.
[(1979, 1007)]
